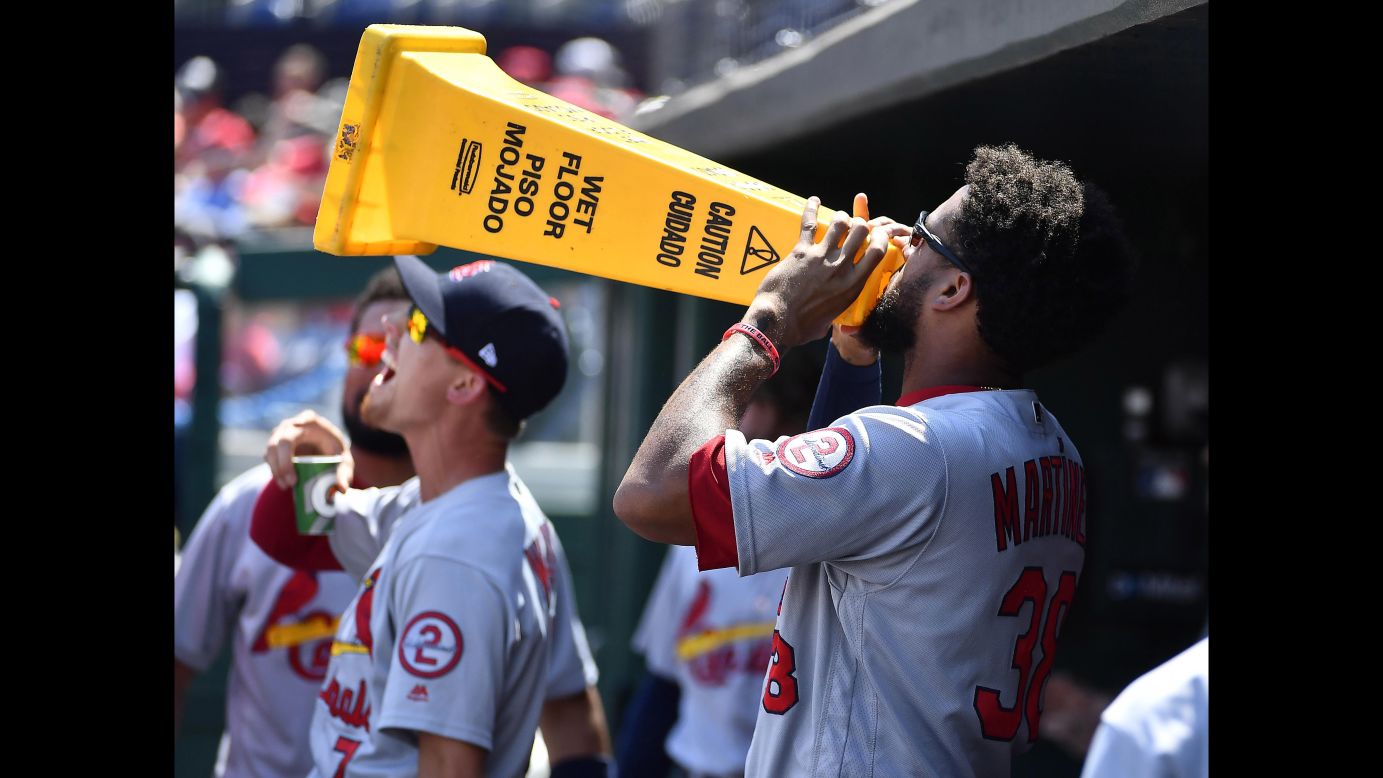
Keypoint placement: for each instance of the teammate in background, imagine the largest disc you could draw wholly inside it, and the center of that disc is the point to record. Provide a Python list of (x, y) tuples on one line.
[(1159, 727), (465, 620), (934, 546), (280, 621)]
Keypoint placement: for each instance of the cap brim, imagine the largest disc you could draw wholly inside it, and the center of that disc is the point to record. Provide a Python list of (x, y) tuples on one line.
[(424, 287)]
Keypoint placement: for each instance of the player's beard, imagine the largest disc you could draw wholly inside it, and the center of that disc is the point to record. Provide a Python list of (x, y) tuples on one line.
[(371, 439), (890, 326)]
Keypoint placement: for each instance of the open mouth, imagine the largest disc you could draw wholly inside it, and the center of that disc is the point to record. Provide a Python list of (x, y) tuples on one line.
[(387, 374)]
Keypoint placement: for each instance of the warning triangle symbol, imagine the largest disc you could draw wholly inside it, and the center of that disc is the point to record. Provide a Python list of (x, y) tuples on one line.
[(758, 253)]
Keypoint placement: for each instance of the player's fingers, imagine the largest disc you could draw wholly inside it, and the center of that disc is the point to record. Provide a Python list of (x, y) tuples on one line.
[(280, 459), (809, 219), (840, 223), (878, 245), (853, 241), (861, 206), (345, 473), (286, 441)]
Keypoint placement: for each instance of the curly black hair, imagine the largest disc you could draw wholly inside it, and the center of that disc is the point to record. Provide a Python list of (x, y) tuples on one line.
[(1052, 263)]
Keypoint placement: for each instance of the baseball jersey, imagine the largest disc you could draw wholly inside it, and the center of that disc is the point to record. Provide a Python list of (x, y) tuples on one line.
[(711, 632), (279, 621), (934, 550), (452, 631), (1159, 727)]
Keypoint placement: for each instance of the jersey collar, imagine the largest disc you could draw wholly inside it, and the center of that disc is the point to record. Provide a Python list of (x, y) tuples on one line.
[(929, 392)]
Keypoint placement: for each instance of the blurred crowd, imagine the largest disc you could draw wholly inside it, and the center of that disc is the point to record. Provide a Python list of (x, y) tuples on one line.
[(261, 164)]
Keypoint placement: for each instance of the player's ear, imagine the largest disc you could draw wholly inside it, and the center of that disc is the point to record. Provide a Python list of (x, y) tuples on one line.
[(467, 387), (954, 294)]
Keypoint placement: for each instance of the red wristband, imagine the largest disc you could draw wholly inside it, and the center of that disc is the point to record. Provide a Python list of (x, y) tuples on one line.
[(759, 338)]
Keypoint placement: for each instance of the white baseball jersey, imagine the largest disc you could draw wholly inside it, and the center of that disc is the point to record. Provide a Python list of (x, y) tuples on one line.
[(1159, 727), (712, 633), (279, 621), (934, 551), (462, 627)]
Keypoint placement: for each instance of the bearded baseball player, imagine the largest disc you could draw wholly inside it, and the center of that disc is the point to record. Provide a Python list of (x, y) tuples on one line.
[(933, 546), (464, 622), (279, 620)]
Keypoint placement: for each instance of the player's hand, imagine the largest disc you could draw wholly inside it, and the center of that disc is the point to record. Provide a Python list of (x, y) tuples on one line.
[(898, 233), (860, 208), (843, 336), (303, 435), (799, 296), (851, 348)]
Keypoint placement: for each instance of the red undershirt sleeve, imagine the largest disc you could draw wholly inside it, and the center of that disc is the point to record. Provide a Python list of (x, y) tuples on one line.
[(708, 486), (273, 527)]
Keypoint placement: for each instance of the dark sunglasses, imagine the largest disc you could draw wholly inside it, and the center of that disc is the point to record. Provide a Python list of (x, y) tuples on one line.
[(921, 233)]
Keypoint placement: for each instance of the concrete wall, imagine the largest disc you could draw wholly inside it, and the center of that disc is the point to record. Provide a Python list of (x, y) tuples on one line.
[(898, 52)]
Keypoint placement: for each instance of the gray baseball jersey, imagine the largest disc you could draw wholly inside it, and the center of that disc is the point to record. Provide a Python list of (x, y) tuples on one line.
[(934, 550), (279, 622), (452, 632), (712, 633)]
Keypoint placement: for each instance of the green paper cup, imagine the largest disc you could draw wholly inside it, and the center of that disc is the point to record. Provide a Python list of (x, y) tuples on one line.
[(316, 476)]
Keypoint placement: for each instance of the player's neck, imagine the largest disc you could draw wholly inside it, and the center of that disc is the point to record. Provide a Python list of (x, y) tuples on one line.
[(927, 368), (373, 469), (447, 457)]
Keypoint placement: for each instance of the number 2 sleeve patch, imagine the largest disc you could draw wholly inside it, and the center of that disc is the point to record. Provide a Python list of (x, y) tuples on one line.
[(819, 453), (431, 645)]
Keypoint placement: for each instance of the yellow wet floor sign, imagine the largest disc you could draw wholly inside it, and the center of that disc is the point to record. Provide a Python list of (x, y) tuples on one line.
[(438, 146)]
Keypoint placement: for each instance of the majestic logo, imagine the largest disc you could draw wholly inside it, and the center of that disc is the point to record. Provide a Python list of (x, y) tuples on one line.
[(819, 453), (467, 165), (488, 354), (419, 693), (430, 645)]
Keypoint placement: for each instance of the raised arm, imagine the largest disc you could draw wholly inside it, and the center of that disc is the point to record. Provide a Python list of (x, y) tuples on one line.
[(796, 302), (273, 525), (850, 380)]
